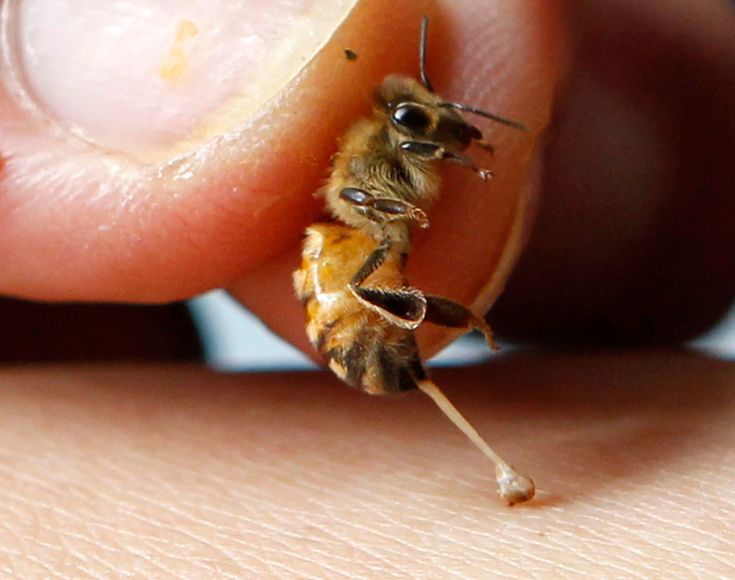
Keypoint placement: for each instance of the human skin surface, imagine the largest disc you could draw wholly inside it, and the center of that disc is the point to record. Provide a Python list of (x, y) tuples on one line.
[(179, 471), (174, 471)]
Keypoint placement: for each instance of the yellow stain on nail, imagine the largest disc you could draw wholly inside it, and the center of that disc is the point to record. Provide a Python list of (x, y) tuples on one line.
[(176, 61)]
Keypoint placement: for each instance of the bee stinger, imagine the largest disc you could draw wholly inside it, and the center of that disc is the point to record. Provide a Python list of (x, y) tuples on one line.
[(361, 311)]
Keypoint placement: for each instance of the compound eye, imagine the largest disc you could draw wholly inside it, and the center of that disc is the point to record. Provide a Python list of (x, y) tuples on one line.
[(413, 117)]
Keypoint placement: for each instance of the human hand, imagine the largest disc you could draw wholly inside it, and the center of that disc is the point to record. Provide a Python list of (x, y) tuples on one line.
[(192, 175), (168, 205)]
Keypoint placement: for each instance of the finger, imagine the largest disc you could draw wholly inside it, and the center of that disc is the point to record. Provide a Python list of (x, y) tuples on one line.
[(504, 59), (153, 152), (634, 239)]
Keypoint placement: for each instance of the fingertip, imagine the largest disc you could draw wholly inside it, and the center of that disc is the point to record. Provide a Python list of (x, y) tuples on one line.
[(505, 58)]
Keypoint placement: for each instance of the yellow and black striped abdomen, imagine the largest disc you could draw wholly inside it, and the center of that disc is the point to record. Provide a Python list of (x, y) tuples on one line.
[(361, 346)]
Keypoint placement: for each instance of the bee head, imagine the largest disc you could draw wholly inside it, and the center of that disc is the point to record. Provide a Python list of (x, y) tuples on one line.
[(418, 114)]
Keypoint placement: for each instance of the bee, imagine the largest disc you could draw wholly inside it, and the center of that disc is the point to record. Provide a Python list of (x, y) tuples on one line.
[(361, 310)]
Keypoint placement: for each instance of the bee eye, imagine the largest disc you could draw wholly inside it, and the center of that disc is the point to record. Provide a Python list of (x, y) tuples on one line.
[(412, 117)]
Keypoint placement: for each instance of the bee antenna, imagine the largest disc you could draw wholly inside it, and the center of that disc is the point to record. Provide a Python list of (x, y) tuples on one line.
[(475, 111), (422, 53), (514, 487)]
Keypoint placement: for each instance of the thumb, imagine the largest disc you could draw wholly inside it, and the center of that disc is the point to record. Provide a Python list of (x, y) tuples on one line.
[(151, 151)]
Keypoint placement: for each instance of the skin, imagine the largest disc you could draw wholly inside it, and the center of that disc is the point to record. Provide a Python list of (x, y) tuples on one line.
[(179, 471), (633, 240), (161, 471)]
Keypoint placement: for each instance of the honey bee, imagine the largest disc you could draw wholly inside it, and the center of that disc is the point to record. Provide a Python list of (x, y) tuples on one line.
[(361, 311)]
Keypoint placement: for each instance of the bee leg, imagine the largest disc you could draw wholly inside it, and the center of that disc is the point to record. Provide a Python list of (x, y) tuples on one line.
[(391, 209), (487, 146), (435, 151), (465, 161), (374, 261), (445, 312)]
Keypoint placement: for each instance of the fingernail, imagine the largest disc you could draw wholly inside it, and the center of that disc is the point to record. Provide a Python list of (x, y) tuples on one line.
[(146, 78)]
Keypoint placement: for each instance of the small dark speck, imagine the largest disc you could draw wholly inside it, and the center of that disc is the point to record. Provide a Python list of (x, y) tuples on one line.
[(350, 54)]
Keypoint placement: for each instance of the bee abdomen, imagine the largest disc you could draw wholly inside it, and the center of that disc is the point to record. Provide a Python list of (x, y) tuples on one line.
[(365, 347), (376, 360)]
